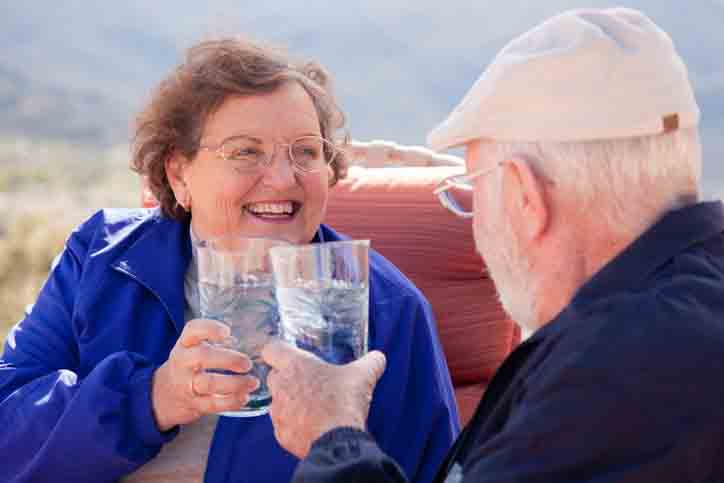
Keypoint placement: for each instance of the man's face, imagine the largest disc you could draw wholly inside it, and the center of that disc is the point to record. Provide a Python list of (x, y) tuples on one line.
[(501, 248)]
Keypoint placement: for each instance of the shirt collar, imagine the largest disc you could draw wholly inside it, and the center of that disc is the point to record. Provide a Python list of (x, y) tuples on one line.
[(672, 234)]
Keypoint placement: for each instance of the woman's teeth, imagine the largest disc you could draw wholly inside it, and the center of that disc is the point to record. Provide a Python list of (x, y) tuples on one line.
[(285, 208)]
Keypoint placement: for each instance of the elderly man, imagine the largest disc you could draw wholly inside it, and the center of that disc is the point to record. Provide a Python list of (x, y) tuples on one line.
[(584, 160)]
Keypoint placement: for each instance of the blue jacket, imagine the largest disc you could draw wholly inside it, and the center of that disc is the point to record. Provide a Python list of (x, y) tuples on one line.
[(624, 385), (75, 375)]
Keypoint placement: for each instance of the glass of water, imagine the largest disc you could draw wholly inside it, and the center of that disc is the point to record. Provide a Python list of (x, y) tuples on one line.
[(323, 295), (235, 286)]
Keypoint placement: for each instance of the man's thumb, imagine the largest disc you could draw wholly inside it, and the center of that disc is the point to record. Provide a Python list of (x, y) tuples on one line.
[(372, 365)]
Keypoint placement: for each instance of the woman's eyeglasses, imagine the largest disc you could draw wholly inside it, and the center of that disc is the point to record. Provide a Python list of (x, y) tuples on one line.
[(308, 154)]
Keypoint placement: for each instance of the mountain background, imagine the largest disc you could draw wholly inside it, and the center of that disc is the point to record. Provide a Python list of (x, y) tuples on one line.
[(77, 71)]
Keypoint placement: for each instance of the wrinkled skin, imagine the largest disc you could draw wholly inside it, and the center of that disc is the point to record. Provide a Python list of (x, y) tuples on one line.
[(311, 397)]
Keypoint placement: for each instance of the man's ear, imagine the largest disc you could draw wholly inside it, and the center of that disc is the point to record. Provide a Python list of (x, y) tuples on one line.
[(176, 167), (526, 197)]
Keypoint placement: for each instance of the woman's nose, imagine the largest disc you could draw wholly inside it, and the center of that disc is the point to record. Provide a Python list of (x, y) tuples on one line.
[(280, 174)]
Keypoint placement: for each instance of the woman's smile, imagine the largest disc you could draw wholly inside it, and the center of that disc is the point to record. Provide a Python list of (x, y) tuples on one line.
[(273, 211)]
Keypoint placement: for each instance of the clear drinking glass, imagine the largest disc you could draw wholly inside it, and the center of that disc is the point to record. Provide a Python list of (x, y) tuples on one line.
[(235, 284), (323, 296)]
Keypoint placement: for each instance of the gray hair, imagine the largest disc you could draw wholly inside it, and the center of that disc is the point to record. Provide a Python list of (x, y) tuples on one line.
[(628, 182)]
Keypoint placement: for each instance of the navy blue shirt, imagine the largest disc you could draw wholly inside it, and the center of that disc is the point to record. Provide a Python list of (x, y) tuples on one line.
[(624, 385)]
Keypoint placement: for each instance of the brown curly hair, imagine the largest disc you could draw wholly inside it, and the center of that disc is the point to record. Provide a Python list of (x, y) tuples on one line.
[(174, 119)]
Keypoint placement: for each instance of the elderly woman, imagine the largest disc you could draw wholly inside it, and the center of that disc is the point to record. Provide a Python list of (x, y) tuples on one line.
[(102, 380)]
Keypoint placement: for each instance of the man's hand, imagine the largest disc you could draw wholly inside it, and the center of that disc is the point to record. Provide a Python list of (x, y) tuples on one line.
[(311, 397), (182, 390)]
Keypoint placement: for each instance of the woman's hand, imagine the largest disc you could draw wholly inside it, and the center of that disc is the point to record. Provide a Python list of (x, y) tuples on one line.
[(182, 390), (311, 397)]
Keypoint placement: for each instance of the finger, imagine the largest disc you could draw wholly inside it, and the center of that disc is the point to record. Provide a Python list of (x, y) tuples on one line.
[(198, 330), (215, 404), (206, 356), (371, 365), (207, 383), (282, 355)]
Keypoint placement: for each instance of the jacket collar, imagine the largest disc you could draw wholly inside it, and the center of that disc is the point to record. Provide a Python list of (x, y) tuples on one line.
[(672, 234), (158, 260)]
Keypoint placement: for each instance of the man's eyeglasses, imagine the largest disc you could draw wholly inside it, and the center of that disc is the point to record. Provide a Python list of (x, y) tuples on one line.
[(308, 154), (453, 191)]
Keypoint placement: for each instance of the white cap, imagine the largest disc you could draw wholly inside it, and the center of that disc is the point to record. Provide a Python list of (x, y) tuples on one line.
[(581, 75)]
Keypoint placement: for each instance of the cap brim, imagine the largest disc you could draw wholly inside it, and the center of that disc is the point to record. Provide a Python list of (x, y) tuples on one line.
[(452, 132)]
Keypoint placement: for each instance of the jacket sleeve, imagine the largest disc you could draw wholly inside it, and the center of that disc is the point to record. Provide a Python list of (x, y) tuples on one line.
[(347, 455), (59, 425), (413, 416)]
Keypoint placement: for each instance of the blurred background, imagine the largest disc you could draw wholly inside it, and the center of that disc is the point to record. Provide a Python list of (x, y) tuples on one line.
[(73, 73)]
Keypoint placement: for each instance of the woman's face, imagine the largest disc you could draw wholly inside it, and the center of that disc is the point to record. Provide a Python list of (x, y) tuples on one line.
[(272, 201)]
